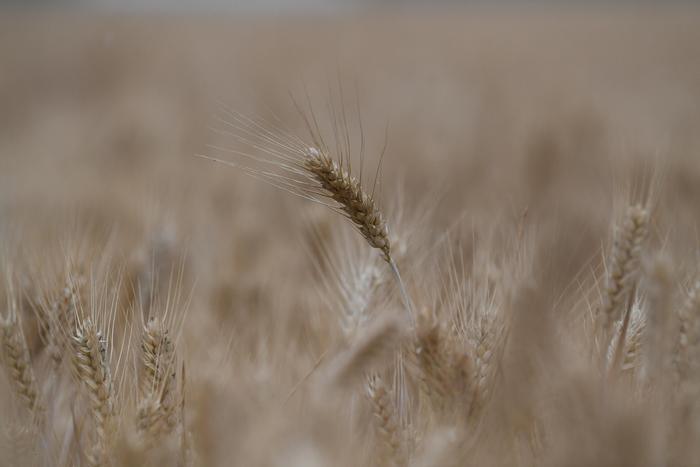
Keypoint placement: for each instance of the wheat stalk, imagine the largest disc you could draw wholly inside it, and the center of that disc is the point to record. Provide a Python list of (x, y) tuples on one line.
[(357, 205), (311, 173)]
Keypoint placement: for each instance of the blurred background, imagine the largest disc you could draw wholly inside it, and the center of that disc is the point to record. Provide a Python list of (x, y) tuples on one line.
[(492, 108)]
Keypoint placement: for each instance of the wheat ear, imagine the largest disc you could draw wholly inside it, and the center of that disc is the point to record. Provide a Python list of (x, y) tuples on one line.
[(391, 452), (62, 316), (93, 372), (622, 277), (356, 205), (429, 351), (686, 351), (660, 321), (444, 371), (156, 413), (16, 356), (635, 339)]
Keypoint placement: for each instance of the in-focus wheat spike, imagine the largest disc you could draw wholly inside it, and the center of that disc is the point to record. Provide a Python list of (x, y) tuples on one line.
[(358, 205), (157, 407), (93, 373), (16, 357), (312, 173), (390, 446), (623, 269)]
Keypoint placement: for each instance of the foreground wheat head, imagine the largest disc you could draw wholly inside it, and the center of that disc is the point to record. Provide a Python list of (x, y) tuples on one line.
[(310, 171), (92, 370), (356, 203)]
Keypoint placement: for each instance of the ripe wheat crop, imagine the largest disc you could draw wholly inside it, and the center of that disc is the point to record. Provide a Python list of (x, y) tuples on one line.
[(505, 275)]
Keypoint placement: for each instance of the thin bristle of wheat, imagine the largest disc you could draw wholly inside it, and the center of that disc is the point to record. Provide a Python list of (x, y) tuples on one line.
[(391, 452), (624, 264), (93, 372), (354, 201), (16, 356)]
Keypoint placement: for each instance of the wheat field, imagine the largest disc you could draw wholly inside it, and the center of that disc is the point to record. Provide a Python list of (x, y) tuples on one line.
[(441, 237)]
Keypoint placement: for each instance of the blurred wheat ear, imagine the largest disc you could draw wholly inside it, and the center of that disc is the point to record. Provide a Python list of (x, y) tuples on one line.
[(15, 354), (622, 278)]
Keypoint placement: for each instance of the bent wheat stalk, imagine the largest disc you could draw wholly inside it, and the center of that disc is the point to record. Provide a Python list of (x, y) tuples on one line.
[(311, 173), (356, 205)]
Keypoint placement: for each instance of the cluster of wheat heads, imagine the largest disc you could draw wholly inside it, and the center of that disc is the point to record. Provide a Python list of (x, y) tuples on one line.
[(482, 366), (468, 357), (73, 383)]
